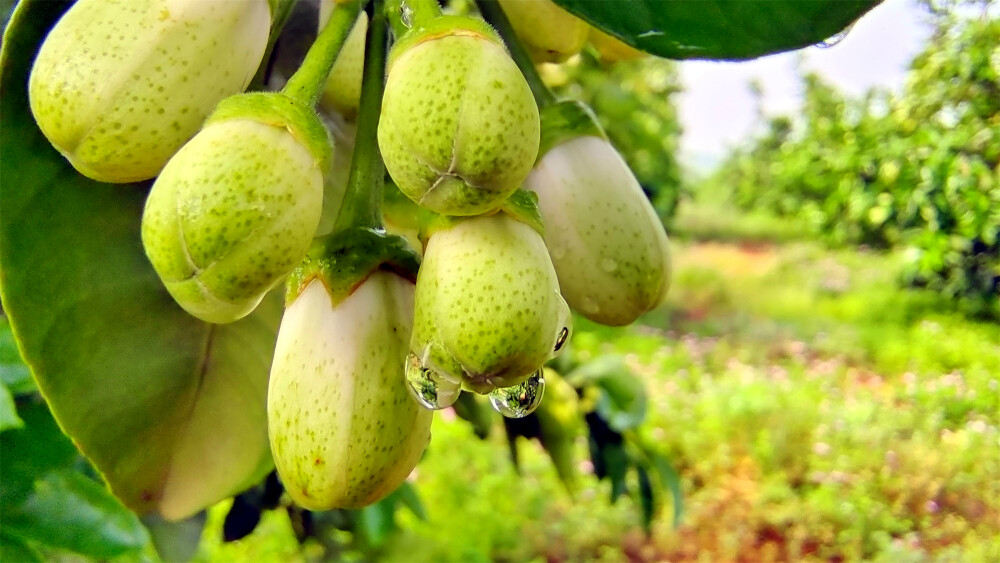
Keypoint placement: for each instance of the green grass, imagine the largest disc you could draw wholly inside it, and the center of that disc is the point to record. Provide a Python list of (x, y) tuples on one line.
[(814, 410)]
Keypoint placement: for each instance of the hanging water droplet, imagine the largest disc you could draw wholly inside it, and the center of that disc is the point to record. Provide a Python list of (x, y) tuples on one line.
[(609, 265), (429, 389), (520, 400), (833, 40)]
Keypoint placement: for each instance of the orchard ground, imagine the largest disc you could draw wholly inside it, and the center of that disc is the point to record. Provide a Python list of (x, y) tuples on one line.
[(814, 410)]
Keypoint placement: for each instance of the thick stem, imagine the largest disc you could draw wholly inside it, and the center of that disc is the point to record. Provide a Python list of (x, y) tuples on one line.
[(493, 13), (362, 204), (306, 85)]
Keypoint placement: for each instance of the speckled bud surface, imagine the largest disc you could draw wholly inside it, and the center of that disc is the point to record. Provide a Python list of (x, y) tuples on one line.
[(230, 216), (459, 129), (119, 85), (550, 33), (488, 309), (612, 49), (342, 92), (344, 430), (606, 241)]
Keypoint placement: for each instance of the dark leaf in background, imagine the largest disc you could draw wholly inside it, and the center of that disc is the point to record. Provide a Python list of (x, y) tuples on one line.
[(243, 516), (475, 412), (720, 29), (647, 498)]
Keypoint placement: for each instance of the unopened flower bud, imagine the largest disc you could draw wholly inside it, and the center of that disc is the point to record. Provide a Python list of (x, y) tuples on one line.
[(344, 430), (235, 210), (488, 310), (459, 129), (550, 33), (119, 85), (613, 49), (606, 241)]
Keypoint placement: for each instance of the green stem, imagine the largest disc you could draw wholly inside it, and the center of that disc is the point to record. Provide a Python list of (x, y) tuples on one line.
[(493, 13), (306, 85), (362, 204), (280, 10), (422, 11)]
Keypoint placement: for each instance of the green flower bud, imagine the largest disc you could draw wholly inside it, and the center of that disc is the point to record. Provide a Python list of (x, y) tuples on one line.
[(344, 430), (488, 310), (606, 241), (459, 129), (119, 85), (612, 49), (550, 33), (342, 92), (235, 210)]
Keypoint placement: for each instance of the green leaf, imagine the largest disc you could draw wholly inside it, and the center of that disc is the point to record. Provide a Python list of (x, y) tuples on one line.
[(672, 482), (719, 29), (175, 541), (13, 373), (623, 397), (169, 409), (647, 499), (30, 452), (14, 549), (407, 495), (69, 511), (8, 412)]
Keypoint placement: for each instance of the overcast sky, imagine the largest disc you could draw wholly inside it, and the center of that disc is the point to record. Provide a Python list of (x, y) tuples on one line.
[(717, 109)]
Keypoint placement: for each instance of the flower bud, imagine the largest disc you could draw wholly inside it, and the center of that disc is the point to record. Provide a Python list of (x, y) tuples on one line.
[(612, 49), (344, 430), (606, 241), (550, 33), (459, 129), (119, 85), (488, 310), (342, 92), (235, 210)]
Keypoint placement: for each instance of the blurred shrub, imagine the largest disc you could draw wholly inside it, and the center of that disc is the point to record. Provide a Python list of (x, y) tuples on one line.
[(632, 101), (919, 170)]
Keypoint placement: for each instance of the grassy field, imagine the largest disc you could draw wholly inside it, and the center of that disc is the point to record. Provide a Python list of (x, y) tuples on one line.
[(814, 410)]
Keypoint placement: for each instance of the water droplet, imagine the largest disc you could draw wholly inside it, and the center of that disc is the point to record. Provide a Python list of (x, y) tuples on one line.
[(564, 326), (833, 40), (427, 386), (520, 400), (406, 14), (609, 265), (557, 252), (561, 339)]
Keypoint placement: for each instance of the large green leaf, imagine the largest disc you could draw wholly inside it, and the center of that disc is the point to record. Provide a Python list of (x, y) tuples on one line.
[(719, 29), (69, 511), (169, 409)]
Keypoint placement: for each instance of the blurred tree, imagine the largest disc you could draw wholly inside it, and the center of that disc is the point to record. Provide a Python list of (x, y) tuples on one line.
[(920, 169)]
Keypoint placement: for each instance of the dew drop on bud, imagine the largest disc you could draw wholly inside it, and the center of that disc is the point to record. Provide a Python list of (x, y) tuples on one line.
[(429, 389), (609, 265), (520, 400), (563, 328)]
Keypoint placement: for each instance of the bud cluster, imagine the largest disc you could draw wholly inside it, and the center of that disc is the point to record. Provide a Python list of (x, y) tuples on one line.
[(521, 213)]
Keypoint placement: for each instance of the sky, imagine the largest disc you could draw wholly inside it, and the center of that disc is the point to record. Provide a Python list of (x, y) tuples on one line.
[(717, 108)]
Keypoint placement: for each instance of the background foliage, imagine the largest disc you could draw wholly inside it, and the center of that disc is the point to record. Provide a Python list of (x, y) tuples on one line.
[(919, 170)]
